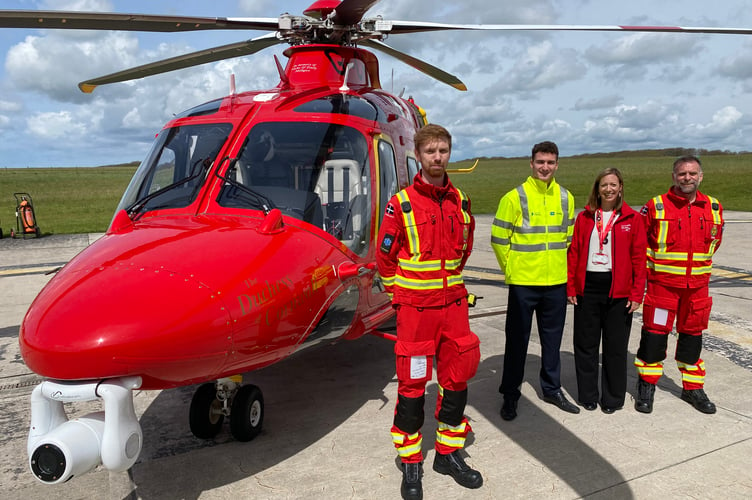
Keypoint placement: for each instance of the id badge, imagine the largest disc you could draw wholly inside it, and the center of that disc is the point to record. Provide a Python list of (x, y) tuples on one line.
[(600, 258)]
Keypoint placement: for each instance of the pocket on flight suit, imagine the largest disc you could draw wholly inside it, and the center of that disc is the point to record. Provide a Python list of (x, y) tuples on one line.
[(415, 360), (699, 316), (658, 313), (464, 354)]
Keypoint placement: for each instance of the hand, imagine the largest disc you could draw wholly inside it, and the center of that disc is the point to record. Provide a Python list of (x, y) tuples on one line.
[(572, 300), (632, 306)]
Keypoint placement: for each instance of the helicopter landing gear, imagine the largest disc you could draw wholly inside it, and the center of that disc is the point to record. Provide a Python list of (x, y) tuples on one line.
[(212, 402), (247, 413)]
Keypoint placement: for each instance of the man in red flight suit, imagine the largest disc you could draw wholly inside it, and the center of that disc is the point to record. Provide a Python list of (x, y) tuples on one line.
[(424, 241), (684, 229)]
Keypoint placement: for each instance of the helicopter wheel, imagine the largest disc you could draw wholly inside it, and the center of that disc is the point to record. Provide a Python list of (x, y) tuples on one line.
[(247, 413), (205, 415)]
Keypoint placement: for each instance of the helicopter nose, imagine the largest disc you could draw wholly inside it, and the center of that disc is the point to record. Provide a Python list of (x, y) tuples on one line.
[(123, 319)]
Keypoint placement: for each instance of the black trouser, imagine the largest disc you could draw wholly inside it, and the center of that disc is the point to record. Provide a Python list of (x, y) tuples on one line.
[(597, 316), (549, 303)]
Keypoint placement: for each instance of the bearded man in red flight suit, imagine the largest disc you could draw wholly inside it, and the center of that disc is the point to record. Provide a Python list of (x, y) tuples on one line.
[(424, 241), (684, 229)]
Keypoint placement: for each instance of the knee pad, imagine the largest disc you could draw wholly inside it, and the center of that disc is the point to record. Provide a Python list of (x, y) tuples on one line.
[(409, 415), (452, 407), (688, 348), (652, 347)]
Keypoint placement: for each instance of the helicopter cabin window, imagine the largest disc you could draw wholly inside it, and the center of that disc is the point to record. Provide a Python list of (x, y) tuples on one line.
[(175, 168), (388, 169), (315, 172), (412, 168), (343, 104)]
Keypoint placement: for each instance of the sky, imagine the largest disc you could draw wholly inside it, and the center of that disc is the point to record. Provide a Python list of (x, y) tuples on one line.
[(589, 92)]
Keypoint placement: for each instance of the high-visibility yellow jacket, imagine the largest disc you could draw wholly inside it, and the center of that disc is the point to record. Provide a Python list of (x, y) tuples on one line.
[(531, 232)]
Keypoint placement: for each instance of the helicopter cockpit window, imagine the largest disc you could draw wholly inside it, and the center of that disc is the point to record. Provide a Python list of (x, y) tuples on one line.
[(175, 168), (388, 174), (343, 104), (208, 108), (315, 172)]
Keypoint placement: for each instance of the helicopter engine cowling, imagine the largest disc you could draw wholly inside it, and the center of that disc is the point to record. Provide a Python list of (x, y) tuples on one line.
[(60, 449)]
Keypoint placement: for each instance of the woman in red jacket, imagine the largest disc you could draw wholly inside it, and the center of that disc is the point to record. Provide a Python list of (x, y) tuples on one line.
[(606, 282)]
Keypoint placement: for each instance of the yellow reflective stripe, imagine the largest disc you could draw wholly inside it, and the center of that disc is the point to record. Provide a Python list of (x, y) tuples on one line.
[(429, 265), (680, 270), (658, 254), (463, 197), (716, 213), (452, 428), (409, 219), (648, 368), (452, 442), (429, 284), (418, 266), (387, 280), (658, 202), (691, 368), (398, 438)]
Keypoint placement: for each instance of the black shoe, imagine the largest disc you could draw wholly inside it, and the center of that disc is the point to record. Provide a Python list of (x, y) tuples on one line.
[(698, 399), (412, 488), (645, 394), (509, 409), (608, 410), (558, 399), (455, 466), (589, 406)]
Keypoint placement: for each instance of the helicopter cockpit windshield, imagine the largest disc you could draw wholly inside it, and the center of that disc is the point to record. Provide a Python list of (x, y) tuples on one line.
[(315, 172), (175, 168)]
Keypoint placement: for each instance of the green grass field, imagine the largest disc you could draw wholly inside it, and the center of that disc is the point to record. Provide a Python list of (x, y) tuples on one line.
[(82, 200)]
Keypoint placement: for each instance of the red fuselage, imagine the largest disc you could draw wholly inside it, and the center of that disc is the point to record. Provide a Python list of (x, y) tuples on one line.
[(199, 277)]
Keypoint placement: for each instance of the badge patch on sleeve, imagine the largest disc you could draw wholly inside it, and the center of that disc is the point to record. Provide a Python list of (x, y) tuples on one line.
[(389, 210), (387, 242)]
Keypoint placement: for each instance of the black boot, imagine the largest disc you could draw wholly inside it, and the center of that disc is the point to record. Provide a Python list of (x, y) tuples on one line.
[(453, 465), (645, 393), (698, 399), (412, 487)]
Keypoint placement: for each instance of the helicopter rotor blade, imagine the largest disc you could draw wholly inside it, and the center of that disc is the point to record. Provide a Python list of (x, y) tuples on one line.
[(350, 12), (184, 61), (401, 27), (71, 20), (422, 66)]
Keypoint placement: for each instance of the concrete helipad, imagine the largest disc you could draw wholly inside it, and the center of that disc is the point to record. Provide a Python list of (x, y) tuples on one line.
[(328, 412)]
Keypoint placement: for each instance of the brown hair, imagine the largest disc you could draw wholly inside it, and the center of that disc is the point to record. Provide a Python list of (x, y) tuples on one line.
[(432, 132), (594, 200)]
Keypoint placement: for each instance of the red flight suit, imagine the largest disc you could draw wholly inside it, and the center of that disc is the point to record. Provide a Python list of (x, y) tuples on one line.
[(424, 241), (682, 238)]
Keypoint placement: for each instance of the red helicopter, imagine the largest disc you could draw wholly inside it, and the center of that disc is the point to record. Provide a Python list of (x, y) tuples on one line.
[(246, 234)]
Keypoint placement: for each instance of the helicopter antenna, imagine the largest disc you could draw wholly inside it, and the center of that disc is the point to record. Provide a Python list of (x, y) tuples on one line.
[(344, 87), (232, 83), (281, 71)]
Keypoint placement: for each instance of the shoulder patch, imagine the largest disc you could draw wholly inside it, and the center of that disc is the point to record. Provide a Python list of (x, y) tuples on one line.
[(715, 206), (644, 210), (386, 243), (659, 206), (406, 207), (389, 210)]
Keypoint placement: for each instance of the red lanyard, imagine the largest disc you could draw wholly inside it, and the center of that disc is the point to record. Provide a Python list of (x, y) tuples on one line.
[(603, 232)]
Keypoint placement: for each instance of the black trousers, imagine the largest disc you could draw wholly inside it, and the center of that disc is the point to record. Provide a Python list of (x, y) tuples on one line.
[(549, 303), (596, 317)]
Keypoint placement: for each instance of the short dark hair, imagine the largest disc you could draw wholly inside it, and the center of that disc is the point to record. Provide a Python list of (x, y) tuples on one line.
[(432, 132), (545, 147), (687, 159)]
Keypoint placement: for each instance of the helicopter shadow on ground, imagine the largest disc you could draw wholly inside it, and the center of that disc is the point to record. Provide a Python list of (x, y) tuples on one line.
[(543, 437), (306, 397)]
